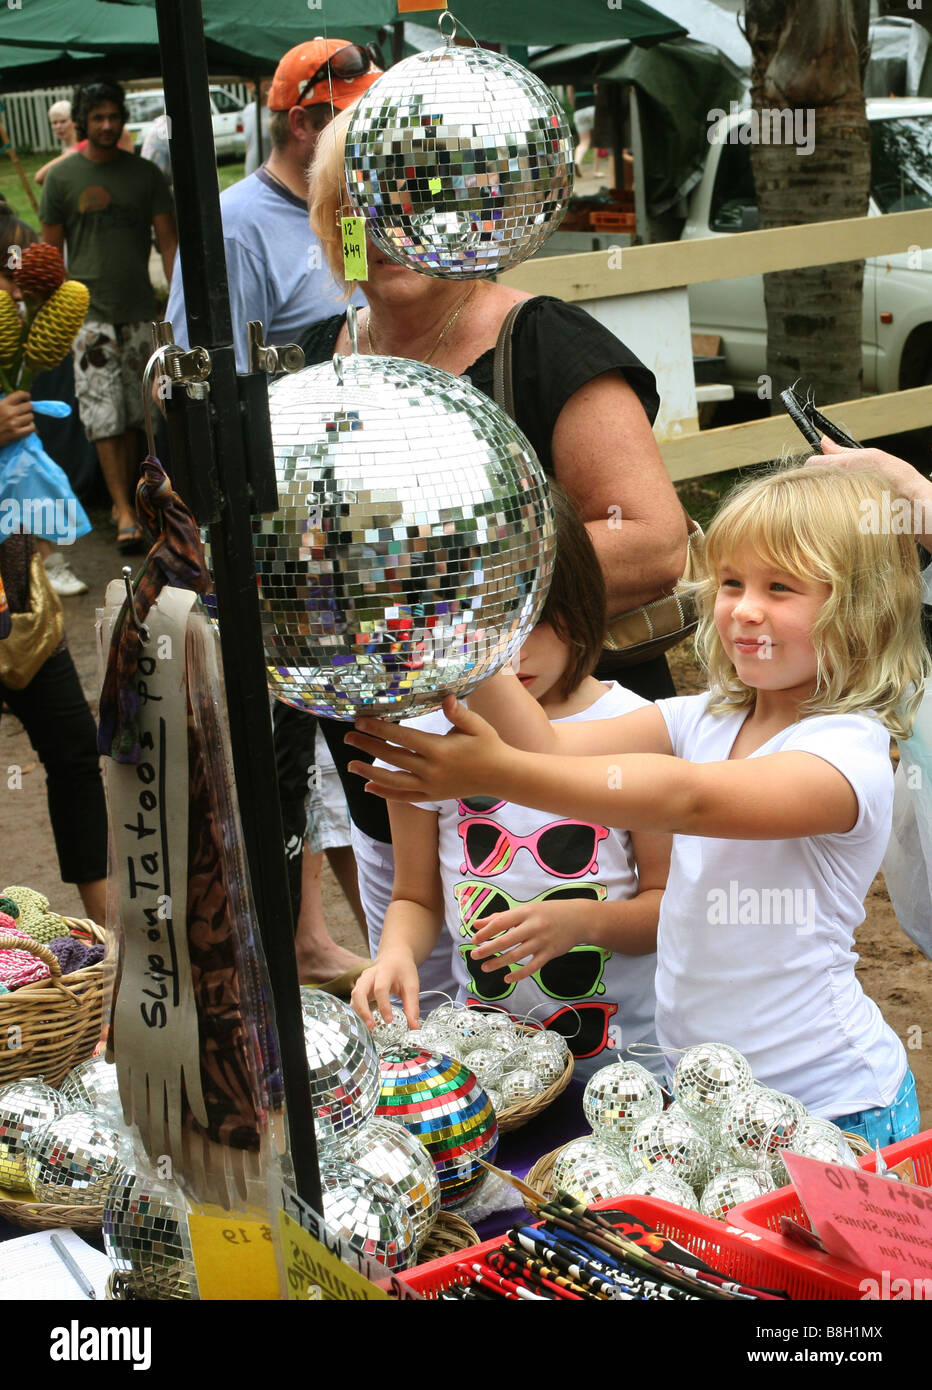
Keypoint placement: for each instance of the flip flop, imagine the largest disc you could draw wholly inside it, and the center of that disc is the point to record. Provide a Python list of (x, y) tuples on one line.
[(341, 985), (130, 540)]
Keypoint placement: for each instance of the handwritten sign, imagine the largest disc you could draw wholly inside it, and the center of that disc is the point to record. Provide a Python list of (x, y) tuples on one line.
[(869, 1221), (355, 264), (319, 1264), (233, 1255), (154, 1029)]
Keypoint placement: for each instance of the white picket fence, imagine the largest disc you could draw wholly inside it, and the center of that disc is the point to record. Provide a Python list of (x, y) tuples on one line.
[(27, 119)]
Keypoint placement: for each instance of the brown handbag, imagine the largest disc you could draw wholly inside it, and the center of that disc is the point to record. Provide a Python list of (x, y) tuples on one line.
[(35, 634), (652, 629)]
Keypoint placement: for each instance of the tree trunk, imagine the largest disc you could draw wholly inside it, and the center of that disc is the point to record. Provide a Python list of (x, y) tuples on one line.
[(808, 57)]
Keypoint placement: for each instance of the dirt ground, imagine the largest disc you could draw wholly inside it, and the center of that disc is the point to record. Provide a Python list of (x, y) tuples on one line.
[(891, 969)]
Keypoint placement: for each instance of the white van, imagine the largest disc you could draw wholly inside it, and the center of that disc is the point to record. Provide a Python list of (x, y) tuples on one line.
[(226, 118)]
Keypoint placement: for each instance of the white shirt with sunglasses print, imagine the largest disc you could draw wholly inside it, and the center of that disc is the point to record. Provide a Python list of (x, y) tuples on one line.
[(494, 855)]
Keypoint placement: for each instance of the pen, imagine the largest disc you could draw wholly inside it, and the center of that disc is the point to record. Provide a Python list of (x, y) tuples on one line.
[(72, 1266)]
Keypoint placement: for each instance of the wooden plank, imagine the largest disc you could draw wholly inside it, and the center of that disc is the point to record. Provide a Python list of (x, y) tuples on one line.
[(636, 269), (738, 446)]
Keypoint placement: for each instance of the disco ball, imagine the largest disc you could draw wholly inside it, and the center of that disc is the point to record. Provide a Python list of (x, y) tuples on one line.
[(730, 1188), (618, 1096), (25, 1106), (547, 1060), (413, 545), (521, 1085), (388, 1034), (92, 1085), (146, 1237), (815, 1138), (367, 1214), (667, 1141), (707, 1077), (665, 1184), (468, 1028), (461, 162), (74, 1159), (389, 1152), (757, 1122), (438, 1099), (591, 1169), (487, 1064), (343, 1063)]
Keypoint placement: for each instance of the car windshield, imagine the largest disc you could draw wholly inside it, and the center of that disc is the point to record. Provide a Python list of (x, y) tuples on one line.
[(901, 163)]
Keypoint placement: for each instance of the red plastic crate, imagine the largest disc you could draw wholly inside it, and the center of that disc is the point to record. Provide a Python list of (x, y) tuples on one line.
[(763, 1214), (750, 1257)]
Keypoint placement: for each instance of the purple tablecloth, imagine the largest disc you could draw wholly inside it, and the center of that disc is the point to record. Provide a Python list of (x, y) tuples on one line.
[(520, 1150)]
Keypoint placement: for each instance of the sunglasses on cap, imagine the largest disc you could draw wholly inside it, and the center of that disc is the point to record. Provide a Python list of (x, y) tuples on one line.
[(346, 64)]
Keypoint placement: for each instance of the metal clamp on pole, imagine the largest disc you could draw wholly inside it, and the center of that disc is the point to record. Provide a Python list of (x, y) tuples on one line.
[(187, 419), (253, 395)]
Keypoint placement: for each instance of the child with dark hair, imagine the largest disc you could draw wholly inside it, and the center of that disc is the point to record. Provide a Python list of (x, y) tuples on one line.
[(586, 897)]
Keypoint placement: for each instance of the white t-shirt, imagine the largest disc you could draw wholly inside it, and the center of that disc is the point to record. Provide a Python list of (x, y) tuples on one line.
[(756, 939), (493, 854)]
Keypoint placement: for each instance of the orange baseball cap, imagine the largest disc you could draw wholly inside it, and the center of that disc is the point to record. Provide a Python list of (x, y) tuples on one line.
[(310, 60)]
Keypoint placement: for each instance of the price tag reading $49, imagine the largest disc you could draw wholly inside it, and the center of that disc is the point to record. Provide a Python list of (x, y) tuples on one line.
[(353, 230)]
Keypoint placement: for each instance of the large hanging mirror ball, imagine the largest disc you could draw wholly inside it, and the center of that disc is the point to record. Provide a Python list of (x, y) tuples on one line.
[(461, 162), (413, 545)]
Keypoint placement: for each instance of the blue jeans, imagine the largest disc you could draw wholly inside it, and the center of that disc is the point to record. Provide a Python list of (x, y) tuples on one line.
[(886, 1126)]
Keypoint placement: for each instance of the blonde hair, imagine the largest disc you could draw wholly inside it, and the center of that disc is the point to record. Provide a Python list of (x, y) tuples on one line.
[(328, 199), (819, 523), (60, 110)]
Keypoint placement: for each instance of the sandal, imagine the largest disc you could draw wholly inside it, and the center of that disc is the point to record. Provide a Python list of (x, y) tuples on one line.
[(130, 539)]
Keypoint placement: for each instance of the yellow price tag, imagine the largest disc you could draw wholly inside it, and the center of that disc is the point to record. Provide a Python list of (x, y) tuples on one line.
[(233, 1255), (355, 266), (435, 185), (313, 1273)]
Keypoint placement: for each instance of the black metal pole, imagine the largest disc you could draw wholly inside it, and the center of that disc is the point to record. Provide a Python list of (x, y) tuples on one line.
[(184, 69)]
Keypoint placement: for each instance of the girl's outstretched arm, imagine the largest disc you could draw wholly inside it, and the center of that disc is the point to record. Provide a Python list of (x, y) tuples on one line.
[(775, 797)]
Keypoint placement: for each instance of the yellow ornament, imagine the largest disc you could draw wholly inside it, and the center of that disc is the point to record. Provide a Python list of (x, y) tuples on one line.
[(55, 326), (11, 330)]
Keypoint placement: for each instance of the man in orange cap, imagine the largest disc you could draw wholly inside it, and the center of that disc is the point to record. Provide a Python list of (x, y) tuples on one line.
[(276, 270)]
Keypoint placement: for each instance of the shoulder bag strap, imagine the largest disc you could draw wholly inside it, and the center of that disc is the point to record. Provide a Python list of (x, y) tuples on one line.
[(502, 380)]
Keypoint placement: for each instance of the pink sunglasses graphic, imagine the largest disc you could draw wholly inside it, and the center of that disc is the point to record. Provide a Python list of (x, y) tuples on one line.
[(564, 848)]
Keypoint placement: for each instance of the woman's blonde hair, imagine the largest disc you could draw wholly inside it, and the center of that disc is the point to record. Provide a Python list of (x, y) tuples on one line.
[(822, 523), (328, 200)]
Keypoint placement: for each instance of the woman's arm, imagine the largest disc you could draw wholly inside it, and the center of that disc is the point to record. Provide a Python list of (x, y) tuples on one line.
[(606, 457), (413, 922), (544, 930)]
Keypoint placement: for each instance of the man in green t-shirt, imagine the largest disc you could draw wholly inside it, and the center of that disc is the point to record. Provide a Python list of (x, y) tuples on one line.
[(103, 202)]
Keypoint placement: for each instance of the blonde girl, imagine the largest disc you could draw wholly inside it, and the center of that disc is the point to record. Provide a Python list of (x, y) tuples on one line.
[(777, 785)]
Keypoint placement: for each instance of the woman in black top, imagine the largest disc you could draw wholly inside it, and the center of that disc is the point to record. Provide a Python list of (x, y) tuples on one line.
[(585, 402)]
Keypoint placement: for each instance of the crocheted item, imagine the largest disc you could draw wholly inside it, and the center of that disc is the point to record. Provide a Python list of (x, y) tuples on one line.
[(9, 906), (34, 918), (73, 955), (19, 967)]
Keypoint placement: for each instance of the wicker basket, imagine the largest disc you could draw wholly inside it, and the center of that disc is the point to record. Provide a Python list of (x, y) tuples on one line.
[(447, 1235), (56, 1022), (517, 1115), (25, 1211)]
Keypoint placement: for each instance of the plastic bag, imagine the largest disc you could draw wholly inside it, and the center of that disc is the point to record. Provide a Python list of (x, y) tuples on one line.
[(35, 494)]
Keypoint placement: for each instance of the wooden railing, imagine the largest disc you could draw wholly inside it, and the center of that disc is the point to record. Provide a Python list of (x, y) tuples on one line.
[(599, 276)]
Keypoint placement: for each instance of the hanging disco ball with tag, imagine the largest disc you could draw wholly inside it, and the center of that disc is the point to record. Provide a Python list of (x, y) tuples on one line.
[(438, 1099), (461, 162), (413, 545)]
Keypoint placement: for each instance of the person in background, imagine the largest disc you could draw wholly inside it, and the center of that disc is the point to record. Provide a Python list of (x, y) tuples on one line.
[(155, 146), (62, 127), (103, 205)]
